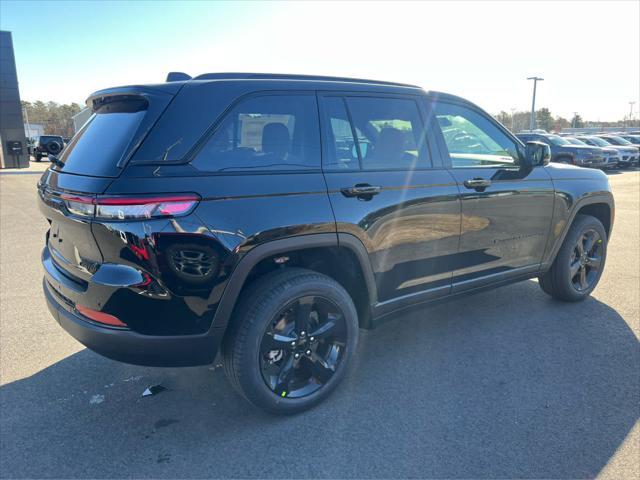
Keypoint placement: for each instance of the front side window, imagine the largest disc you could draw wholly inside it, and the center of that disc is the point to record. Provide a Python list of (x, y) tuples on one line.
[(374, 134), (474, 140), (270, 132)]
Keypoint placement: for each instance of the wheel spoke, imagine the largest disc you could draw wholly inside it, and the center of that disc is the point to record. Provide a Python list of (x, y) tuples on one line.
[(591, 241), (595, 262), (285, 376), (324, 329), (302, 311), (319, 369), (583, 278), (580, 246), (575, 266), (276, 341)]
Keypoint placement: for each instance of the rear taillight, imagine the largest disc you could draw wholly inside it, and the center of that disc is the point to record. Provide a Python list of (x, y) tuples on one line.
[(130, 207)]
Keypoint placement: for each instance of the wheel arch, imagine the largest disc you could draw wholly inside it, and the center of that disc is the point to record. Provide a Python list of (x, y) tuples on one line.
[(341, 257), (600, 206)]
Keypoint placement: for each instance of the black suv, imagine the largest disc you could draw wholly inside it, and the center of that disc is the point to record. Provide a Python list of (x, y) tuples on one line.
[(563, 151), (272, 216), (47, 145)]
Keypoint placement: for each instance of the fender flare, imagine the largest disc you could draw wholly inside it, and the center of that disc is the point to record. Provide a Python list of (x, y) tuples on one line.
[(606, 198), (240, 273)]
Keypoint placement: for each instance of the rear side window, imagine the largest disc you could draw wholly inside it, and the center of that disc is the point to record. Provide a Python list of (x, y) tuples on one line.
[(374, 134), (102, 142), (269, 132)]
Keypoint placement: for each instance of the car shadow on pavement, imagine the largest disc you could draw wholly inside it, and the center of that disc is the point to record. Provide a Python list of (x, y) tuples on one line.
[(507, 383)]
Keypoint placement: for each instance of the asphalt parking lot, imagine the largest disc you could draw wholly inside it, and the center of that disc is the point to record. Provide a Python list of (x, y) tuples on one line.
[(506, 384)]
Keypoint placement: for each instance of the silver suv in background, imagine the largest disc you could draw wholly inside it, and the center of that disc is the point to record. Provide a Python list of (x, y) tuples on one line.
[(627, 155)]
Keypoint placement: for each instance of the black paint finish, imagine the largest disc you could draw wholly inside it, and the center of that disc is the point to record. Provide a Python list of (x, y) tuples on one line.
[(420, 235)]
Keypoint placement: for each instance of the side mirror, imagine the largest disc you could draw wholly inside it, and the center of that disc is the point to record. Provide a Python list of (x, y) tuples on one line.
[(537, 154)]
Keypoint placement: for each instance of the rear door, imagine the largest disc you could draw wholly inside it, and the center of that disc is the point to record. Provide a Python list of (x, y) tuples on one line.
[(386, 189), (506, 211)]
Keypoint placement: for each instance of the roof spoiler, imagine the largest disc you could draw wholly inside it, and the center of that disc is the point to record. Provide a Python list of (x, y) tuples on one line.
[(177, 77)]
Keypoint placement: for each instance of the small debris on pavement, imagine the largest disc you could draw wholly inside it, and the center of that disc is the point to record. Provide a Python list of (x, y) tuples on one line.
[(96, 399), (153, 390)]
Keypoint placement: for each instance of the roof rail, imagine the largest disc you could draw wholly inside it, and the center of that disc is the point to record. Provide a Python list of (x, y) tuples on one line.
[(286, 76)]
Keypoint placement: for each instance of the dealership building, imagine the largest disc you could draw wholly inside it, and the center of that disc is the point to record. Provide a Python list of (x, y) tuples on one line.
[(14, 143)]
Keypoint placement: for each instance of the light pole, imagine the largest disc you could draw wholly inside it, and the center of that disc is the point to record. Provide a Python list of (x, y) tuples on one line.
[(26, 116), (532, 122), (513, 120), (631, 104)]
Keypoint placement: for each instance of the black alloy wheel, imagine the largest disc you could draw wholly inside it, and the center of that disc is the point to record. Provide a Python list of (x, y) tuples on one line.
[(586, 260), (303, 346), (579, 263)]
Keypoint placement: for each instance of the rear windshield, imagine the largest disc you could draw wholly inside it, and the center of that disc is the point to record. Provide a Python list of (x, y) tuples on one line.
[(49, 138), (104, 139)]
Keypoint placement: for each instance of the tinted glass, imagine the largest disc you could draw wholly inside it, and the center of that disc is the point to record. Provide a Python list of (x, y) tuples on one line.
[(474, 140), (46, 139), (557, 140), (99, 146), (597, 141), (390, 133), (575, 141), (617, 140), (274, 132), (341, 152)]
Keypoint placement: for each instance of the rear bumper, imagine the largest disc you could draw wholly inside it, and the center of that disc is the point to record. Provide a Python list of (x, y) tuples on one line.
[(131, 347)]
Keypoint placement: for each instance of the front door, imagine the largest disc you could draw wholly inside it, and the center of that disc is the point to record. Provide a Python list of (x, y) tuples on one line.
[(386, 190), (506, 211)]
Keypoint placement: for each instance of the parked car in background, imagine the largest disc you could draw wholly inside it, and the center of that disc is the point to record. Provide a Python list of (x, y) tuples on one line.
[(635, 139), (618, 141), (273, 216), (627, 154), (563, 151), (47, 145), (611, 155), (615, 139)]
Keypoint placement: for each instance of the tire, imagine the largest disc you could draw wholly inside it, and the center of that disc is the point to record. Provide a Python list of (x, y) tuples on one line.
[(54, 147), (259, 310), (558, 281)]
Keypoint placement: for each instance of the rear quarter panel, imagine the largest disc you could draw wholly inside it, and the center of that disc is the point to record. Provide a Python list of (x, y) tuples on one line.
[(237, 213)]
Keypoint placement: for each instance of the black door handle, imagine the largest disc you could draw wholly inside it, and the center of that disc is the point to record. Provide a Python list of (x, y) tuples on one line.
[(477, 184), (361, 190)]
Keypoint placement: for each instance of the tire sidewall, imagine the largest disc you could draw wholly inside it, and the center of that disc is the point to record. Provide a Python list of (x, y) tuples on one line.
[(252, 382)]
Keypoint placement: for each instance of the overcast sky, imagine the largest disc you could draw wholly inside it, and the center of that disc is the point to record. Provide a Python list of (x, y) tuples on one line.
[(588, 52)]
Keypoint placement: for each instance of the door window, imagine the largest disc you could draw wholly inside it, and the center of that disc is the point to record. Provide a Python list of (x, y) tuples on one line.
[(271, 132), (474, 140), (374, 134)]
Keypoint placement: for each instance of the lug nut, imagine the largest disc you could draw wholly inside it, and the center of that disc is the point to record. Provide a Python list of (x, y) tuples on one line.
[(302, 334), (312, 339), (293, 344), (297, 355), (308, 352)]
